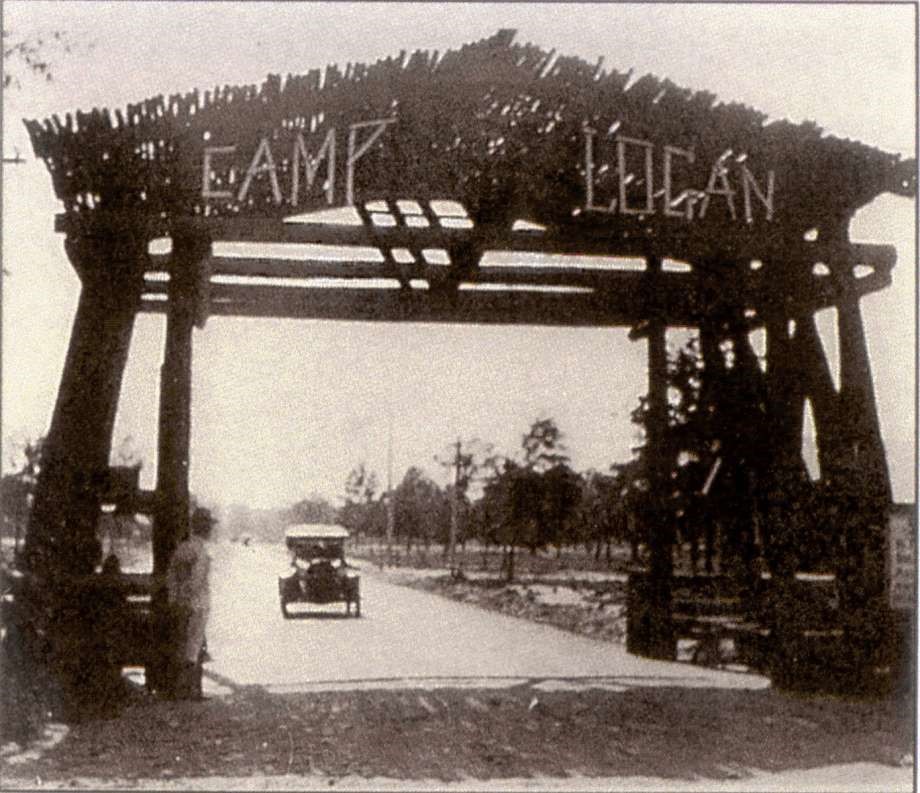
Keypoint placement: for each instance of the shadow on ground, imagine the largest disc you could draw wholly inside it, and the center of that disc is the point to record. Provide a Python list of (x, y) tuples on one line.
[(318, 615), (451, 733)]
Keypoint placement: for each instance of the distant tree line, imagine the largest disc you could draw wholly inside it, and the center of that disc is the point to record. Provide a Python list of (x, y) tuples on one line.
[(713, 493), (532, 501)]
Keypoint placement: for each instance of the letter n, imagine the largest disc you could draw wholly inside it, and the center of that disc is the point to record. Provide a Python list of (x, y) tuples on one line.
[(748, 183)]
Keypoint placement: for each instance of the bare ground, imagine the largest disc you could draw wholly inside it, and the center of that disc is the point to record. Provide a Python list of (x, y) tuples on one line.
[(449, 734), (670, 732)]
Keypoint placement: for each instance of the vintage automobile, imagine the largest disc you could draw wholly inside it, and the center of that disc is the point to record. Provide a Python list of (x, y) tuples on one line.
[(319, 573)]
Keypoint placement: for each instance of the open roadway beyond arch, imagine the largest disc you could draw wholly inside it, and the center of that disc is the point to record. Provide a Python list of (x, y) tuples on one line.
[(407, 639)]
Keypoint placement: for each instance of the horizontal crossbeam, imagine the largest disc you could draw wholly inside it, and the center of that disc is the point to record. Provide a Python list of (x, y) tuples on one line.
[(625, 239), (396, 305), (486, 296)]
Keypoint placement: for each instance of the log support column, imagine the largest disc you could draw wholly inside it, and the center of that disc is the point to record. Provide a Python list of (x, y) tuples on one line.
[(860, 480), (61, 537), (855, 493), (60, 608), (171, 520), (650, 624)]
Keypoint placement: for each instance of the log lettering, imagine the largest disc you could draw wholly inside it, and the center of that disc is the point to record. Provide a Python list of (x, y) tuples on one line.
[(674, 199), (304, 165)]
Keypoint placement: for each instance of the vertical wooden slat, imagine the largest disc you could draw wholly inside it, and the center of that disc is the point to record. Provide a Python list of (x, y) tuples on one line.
[(659, 639)]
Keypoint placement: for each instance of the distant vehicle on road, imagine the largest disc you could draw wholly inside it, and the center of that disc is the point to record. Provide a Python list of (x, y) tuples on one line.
[(319, 572)]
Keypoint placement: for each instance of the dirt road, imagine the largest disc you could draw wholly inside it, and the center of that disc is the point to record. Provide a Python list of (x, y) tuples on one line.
[(423, 692), (406, 638)]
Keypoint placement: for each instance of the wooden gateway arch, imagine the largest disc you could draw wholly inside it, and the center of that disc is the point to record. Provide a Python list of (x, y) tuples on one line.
[(495, 183)]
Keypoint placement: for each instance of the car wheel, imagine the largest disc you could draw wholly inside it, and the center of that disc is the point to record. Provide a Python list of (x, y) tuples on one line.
[(358, 606), (284, 610)]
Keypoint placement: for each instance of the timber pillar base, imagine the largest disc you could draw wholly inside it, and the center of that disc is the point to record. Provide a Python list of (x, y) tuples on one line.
[(649, 625)]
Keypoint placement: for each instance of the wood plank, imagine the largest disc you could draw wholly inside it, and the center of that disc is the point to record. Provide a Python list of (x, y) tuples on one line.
[(631, 288), (395, 306), (750, 287), (612, 240), (517, 274)]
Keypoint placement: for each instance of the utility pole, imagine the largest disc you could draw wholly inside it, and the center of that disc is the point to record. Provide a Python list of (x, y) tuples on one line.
[(454, 510), (16, 159), (390, 505)]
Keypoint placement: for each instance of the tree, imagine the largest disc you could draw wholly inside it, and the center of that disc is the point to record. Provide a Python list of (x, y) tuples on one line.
[(359, 513), (463, 461), (421, 509), (561, 492), (313, 509), (512, 510), (542, 446), (31, 55), (17, 489), (528, 503), (601, 514)]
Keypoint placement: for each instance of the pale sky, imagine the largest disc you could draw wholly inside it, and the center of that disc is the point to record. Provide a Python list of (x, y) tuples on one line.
[(284, 408)]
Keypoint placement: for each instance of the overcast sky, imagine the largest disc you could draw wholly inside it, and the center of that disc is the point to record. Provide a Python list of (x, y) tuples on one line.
[(286, 408)]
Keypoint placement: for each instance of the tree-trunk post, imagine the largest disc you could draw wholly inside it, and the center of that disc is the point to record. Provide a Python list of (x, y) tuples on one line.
[(713, 376), (62, 524), (861, 479), (171, 520), (61, 547), (651, 623), (661, 643)]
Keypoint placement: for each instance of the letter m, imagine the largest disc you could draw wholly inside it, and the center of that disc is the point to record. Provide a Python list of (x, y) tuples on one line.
[(311, 166)]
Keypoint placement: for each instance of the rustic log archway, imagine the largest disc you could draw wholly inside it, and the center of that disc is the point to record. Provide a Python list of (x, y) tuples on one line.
[(419, 170)]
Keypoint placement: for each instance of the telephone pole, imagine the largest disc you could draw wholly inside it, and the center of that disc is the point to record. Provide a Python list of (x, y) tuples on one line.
[(390, 505), (454, 510)]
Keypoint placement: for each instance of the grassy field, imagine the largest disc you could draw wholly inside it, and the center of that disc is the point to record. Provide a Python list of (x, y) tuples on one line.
[(475, 558)]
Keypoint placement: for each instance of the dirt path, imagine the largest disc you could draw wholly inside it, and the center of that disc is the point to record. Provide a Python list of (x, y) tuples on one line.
[(671, 733), (422, 691), (404, 635)]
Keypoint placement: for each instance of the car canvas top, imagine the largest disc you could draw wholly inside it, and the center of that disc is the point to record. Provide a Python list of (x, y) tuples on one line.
[(315, 531)]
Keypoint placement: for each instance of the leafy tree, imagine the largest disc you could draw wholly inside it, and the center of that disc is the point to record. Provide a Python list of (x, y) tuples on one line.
[(561, 492), (542, 446), (421, 509), (17, 488), (601, 516), (464, 463), (359, 513), (31, 55), (529, 503), (361, 485), (313, 509), (714, 448), (512, 505)]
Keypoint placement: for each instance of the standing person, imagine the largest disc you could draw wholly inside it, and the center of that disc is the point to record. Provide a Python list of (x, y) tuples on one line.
[(189, 594)]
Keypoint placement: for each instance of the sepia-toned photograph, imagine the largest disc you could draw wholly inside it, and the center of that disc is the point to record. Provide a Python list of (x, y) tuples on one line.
[(510, 396)]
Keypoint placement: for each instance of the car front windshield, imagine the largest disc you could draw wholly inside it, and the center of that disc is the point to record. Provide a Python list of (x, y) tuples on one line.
[(317, 549)]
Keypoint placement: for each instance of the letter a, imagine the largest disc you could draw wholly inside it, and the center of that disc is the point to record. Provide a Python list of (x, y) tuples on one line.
[(264, 151), (718, 172)]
